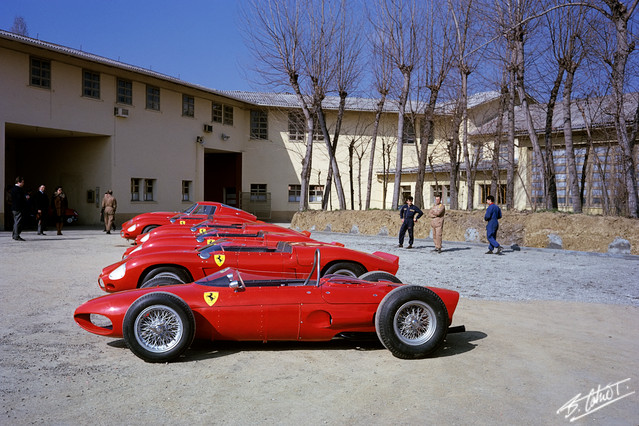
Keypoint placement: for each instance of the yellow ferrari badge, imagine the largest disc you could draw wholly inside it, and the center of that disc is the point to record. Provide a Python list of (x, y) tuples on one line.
[(210, 297), (183, 222), (202, 230), (210, 241), (219, 259)]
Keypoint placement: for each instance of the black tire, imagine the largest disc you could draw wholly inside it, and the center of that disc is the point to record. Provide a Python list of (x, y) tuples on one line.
[(177, 274), (149, 228), (411, 322), (345, 268), (158, 327), (377, 276), (160, 281)]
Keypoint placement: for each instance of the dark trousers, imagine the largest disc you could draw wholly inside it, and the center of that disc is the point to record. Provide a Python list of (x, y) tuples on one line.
[(407, 226), (17, 224), (491, 236)]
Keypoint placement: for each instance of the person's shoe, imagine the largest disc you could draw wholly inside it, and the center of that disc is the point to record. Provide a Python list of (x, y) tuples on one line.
[(439, 251), (400, 245), (499, 249), (409, 246), (489, 252), (20, 239), (108, 232)]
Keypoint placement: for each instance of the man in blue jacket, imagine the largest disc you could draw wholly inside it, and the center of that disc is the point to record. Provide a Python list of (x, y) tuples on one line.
[(409, 214), (492, 216)]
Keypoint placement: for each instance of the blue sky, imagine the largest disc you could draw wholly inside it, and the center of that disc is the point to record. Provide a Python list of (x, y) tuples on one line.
[(198, 41)]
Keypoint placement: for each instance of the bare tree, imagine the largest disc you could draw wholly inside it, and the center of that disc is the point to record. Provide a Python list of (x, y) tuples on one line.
[(20, 26), (398, 23)]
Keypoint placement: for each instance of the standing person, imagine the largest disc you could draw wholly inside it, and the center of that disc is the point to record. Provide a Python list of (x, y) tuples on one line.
[(409, 215), (437, 222), (59, 204), (109, 206), (492, 216), (18, 207), (42, 209)]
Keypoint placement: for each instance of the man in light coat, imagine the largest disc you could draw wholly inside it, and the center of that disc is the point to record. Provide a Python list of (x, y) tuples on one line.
[(109, 206), (437, 222)]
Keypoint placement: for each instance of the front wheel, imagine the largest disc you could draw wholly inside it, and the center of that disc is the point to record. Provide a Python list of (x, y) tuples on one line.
[(160, 281), (179, 276), (411, 322), (158, 327)]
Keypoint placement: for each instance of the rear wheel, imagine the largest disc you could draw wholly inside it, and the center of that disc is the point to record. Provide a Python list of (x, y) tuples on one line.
[(411, 321), (377, 276), (346, 268), (158, 327)]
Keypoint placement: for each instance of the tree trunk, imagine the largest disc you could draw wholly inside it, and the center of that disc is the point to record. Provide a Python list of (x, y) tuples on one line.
[(371, 162), (573, 183), (400, 136), (338, 127), (550, 195)]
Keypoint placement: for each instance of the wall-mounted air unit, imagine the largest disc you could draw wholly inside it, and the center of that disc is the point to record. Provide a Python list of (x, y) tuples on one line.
[(208, 128), (121, 112)]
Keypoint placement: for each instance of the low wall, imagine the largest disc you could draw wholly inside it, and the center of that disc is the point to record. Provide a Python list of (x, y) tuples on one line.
[(556, 230)]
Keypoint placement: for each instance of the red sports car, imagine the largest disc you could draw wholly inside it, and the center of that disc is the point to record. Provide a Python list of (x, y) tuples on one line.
[(198, 212), (186, 264), (168, 231), (158, 324), (179, 241)]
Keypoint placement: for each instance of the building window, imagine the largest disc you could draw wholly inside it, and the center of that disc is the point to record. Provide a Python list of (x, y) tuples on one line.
[(91, 84), (315, 193), (217, 113), (135, 189), (186, 190), (228, 115), (443, 191), (137, 184), (409, 130), (153, 98), (294, 193), (125, 92), (259, 124), (258, 192), (40, 73), (405, 192), (188, 106), (500, 197), (149, 185), (297, 127)]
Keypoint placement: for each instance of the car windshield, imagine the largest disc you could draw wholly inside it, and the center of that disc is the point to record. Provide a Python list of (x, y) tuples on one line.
[(226, 276), (190, 209)]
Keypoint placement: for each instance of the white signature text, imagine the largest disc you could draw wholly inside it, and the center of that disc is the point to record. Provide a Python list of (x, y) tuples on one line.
[(596, 399)]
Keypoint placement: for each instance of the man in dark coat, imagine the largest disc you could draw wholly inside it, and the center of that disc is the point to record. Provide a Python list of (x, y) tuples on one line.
[(18, 207), (42, 209), (492, 216), (409, 215)]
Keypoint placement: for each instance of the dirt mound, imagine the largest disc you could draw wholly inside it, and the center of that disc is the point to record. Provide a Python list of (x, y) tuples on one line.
[(577, 231)]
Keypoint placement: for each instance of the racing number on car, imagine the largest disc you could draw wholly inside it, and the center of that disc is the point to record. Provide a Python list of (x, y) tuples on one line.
[(210, 297), (219, 259)]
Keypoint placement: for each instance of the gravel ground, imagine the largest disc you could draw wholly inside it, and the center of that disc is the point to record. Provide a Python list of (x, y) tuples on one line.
[(544, 328)]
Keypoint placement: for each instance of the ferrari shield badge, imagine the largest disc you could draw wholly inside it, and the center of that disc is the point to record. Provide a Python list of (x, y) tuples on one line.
[(210, 241), (183, 222), (219, 259), (210, 297), (202, 230)]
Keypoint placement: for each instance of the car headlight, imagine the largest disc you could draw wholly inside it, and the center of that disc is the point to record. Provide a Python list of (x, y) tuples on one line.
[(134, 250), (118, 272), (132, 227), (145, 238)]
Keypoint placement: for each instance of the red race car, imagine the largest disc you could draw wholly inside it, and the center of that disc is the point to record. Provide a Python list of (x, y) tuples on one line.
[(186, 264), (169, 231), (198, 212), (158, 324), (179, 242)]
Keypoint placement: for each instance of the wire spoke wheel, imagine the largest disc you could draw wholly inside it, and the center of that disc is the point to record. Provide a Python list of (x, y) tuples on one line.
[(415, 323), (158, 328)]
